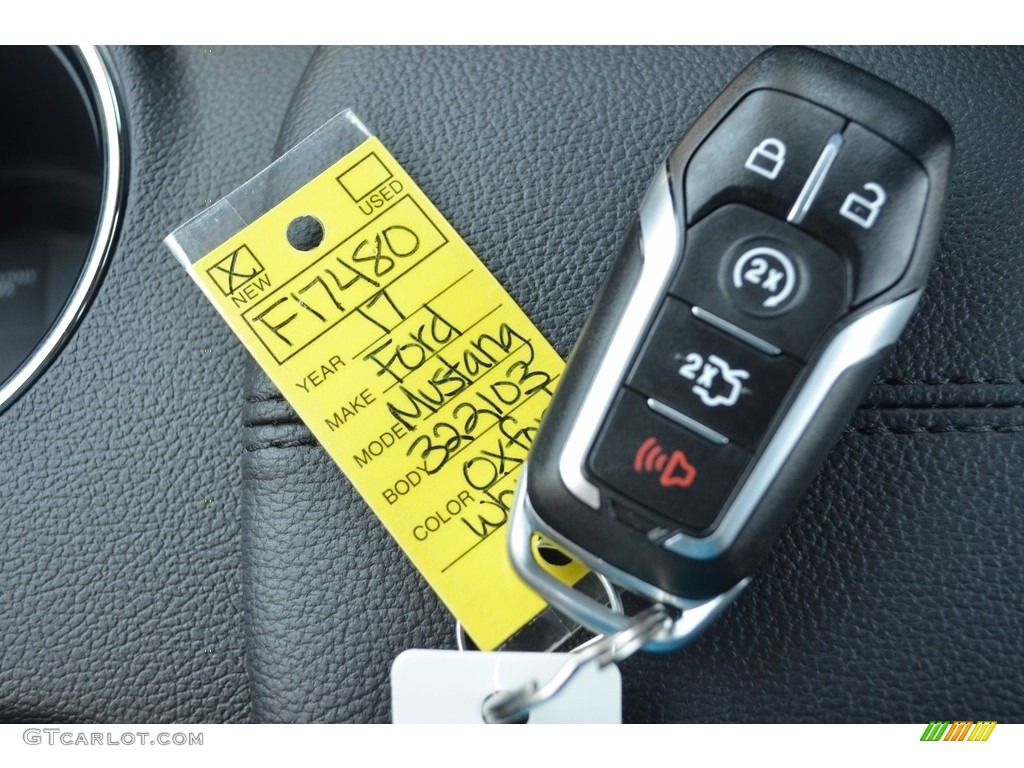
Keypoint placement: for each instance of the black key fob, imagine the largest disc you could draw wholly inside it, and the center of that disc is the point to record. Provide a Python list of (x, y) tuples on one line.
[(777, 255)]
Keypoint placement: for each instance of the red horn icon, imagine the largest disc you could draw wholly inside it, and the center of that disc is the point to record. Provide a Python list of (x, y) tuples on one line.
[(676, 470)]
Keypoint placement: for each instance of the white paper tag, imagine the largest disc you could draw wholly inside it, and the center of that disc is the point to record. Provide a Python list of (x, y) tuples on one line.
[(450, 687)]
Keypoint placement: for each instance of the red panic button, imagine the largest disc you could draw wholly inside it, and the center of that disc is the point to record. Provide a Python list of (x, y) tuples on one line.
[(663, 467), (675, 470)]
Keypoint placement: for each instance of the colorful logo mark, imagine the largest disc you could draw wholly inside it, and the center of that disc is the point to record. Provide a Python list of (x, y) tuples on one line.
[(961, 730)]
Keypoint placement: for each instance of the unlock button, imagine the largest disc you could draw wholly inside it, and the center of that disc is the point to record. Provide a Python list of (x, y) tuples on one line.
[(869, 209)]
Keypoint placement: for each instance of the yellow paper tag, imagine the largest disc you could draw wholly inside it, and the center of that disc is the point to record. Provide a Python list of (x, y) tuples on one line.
[(410, 363)]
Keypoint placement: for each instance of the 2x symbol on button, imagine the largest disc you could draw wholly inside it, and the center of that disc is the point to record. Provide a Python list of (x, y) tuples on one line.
[(705, 372), (764, 281)]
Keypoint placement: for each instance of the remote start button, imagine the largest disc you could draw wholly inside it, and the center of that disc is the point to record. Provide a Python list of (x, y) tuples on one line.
[(763, 280)]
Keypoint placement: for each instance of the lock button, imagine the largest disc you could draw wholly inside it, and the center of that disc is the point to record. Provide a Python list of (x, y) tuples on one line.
[(869, 209), (760, 154), (767, 158)]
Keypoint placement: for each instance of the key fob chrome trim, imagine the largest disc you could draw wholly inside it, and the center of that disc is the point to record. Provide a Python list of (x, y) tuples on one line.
[(662, 245), (695, 616)]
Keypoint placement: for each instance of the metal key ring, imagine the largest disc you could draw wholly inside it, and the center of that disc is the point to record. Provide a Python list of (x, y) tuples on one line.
[(513, 706)]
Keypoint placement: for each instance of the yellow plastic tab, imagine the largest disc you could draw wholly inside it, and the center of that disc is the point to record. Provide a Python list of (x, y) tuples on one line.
[(410, 363)]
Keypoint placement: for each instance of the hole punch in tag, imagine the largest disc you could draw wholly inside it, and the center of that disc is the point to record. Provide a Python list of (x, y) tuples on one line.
[(404, 356), (432, 687)]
